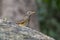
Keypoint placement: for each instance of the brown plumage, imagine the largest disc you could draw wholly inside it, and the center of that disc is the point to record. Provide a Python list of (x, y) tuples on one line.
[(25, 20)]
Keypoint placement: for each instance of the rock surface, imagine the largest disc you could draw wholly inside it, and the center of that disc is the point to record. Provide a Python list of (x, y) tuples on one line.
[(11, 31)]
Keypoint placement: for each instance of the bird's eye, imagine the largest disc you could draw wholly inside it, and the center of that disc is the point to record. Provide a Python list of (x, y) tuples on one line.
[(29, 12)]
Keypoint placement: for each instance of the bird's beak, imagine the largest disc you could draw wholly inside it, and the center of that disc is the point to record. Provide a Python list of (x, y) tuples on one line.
[(33, 12)]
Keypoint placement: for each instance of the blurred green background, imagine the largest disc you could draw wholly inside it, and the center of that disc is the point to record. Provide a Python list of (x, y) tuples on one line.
[(49, 17)]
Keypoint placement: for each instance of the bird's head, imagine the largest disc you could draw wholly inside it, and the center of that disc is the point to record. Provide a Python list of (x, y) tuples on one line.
[(30, 12)]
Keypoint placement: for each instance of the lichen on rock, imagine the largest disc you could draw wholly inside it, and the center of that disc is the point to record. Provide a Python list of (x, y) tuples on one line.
[(11, 31)]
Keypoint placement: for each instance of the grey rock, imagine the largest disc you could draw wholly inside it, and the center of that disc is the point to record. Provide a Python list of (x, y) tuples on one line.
[(11, 31)]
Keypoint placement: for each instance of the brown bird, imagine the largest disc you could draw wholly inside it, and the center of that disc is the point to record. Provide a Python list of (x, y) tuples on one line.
[(26, 19)]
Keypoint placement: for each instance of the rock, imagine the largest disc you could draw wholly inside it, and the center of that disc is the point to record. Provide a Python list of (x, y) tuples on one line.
[(11, 31)]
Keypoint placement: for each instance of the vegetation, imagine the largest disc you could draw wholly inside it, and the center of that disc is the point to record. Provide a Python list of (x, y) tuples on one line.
[(49, 17)]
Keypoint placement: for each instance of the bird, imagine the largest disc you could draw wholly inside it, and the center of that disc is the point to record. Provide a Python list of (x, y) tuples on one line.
[(25, 21)]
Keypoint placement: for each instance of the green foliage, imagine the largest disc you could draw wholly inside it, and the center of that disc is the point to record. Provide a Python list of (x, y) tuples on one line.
[(49, 17)]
